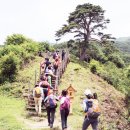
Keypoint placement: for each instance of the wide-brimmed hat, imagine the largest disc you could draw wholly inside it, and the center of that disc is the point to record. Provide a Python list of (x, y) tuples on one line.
[(88, 92)]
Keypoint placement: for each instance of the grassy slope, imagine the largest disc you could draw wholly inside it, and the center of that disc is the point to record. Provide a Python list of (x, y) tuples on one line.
[(113, 111), (111, 100), (12, 109)]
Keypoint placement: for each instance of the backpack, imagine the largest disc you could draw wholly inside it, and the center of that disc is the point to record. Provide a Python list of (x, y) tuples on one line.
[(66, 104), (93, 110), (37, 92), (52, 102), (56, 65)]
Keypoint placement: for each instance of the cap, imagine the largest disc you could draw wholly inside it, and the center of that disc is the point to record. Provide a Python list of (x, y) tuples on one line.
[(87, 92)]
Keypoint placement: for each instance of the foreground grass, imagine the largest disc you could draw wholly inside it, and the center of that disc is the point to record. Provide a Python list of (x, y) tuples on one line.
[(12, 106), (10, 110)]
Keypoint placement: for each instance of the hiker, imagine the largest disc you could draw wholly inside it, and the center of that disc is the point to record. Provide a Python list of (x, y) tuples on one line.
[(55, 54), (63, 54), (44, 85), (92, 111), (45, 64), (51, 105), (49, 76), (56, 64), (38, 95), (64, 108)]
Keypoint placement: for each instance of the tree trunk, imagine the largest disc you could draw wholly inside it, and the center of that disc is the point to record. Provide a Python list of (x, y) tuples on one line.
[(83, 53)]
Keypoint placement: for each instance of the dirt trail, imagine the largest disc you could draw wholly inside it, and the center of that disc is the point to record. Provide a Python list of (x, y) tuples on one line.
[(41, 123), (38, 123)]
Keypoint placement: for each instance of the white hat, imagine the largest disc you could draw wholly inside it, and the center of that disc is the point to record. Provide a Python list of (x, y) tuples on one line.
[(87, 92)]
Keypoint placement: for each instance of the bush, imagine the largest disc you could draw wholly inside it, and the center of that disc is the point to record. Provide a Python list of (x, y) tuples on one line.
[(16, 39), (32, 47), (9, 66), (117, 60), (95, 51), (95, 66)]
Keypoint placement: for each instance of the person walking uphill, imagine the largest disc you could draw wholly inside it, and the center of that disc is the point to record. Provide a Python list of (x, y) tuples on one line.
[(38, 95), (51, 107), (64, 108), (92, 111)]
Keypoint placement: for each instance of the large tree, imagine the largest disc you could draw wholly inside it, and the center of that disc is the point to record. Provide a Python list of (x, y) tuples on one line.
[(86, 21)]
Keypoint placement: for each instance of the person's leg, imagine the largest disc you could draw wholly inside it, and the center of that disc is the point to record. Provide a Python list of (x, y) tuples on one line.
[(36, 105), (48, 115), (66, 115), (86, 123), (62, 119), (94, 124), (45, 93), (52, 116), (39, 105)]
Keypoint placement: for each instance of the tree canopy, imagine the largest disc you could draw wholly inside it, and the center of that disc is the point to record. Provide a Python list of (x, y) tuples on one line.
[(16, 39), (87, 20)]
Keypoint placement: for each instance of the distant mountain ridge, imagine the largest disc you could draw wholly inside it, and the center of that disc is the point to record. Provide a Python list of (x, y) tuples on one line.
[(123, 43), (120, 39)]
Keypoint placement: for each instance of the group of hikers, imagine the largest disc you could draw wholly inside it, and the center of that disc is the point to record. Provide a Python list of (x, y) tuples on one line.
[(43, 94)]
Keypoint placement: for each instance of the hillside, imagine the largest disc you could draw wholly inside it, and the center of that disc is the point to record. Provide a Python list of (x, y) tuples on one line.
[(112, 101), (123, 43)]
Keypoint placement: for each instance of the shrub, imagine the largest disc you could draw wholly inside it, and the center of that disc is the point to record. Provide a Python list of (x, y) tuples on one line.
[(115, 58), (9, 66), (95, 66), (16, 39)]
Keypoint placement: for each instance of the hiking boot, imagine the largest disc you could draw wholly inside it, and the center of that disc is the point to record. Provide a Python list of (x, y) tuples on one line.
[(51, 125)]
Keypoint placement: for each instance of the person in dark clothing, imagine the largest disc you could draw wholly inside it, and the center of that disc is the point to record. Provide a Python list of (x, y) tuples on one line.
[(63, 54), (51, 107), (44, 64)]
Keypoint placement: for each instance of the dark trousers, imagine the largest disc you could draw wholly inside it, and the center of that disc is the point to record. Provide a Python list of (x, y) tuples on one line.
[(50, 115), (64, 114), (88, 121), (45, 91)]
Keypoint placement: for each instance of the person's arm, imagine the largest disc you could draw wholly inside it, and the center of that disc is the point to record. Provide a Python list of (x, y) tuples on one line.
[(84, 105), (40, 84), (62, 100), (46, 99), (56, 98), (51, 73), (42, 94)]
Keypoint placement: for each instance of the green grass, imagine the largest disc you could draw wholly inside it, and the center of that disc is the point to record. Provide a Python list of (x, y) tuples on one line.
[(12, 106), (10, 110)]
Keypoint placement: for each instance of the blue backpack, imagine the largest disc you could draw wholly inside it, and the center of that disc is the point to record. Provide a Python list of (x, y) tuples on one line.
[(52, 103)]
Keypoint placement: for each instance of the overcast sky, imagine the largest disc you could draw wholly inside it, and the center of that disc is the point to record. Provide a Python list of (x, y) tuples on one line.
[(40, 19)]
